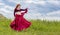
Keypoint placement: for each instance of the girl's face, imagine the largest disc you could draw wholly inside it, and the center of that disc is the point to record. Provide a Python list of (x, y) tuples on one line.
[(18, 8)]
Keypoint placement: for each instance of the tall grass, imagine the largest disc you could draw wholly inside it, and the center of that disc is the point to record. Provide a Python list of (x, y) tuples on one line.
[(38, 27)]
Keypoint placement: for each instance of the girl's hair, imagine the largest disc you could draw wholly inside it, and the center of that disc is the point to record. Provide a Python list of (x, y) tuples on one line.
[(17, 6)]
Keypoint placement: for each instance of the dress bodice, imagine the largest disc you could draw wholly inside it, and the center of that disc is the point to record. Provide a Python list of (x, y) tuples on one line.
[(20, 12)]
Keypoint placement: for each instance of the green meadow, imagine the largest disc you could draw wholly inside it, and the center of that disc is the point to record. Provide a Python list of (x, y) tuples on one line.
[(38, 27)]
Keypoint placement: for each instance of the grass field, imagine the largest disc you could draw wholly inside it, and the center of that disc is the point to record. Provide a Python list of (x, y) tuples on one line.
[(38, 27)]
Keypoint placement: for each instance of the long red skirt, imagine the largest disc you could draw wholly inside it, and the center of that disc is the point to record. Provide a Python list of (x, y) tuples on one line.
[(19, 23)]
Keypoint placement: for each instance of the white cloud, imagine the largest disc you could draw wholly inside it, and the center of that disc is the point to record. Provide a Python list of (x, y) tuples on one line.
[(6, 13), (37, 2), (53, 13), (4, 10), (15, 1), (8, 7), (54, 2), (28, 1), (2, 3), (41, 2), (33, 15)]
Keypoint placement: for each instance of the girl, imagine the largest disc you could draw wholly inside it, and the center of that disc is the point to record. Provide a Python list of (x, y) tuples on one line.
[(19, 23)]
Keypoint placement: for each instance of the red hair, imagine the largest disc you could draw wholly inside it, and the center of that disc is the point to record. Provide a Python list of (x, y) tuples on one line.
[(17, 6)]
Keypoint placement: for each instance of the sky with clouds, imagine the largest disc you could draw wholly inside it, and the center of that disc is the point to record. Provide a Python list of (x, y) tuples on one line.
[(37, 9)]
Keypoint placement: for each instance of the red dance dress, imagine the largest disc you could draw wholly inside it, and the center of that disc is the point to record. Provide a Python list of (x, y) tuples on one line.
[(20, 23)]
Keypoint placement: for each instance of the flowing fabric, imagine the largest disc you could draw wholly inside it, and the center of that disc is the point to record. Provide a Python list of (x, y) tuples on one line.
[(20, 23)]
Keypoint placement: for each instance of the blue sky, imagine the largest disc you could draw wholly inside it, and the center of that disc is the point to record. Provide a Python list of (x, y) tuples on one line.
[(37, 9)]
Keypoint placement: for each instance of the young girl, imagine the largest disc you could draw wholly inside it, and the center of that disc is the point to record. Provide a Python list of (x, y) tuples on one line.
[(19, 23)]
